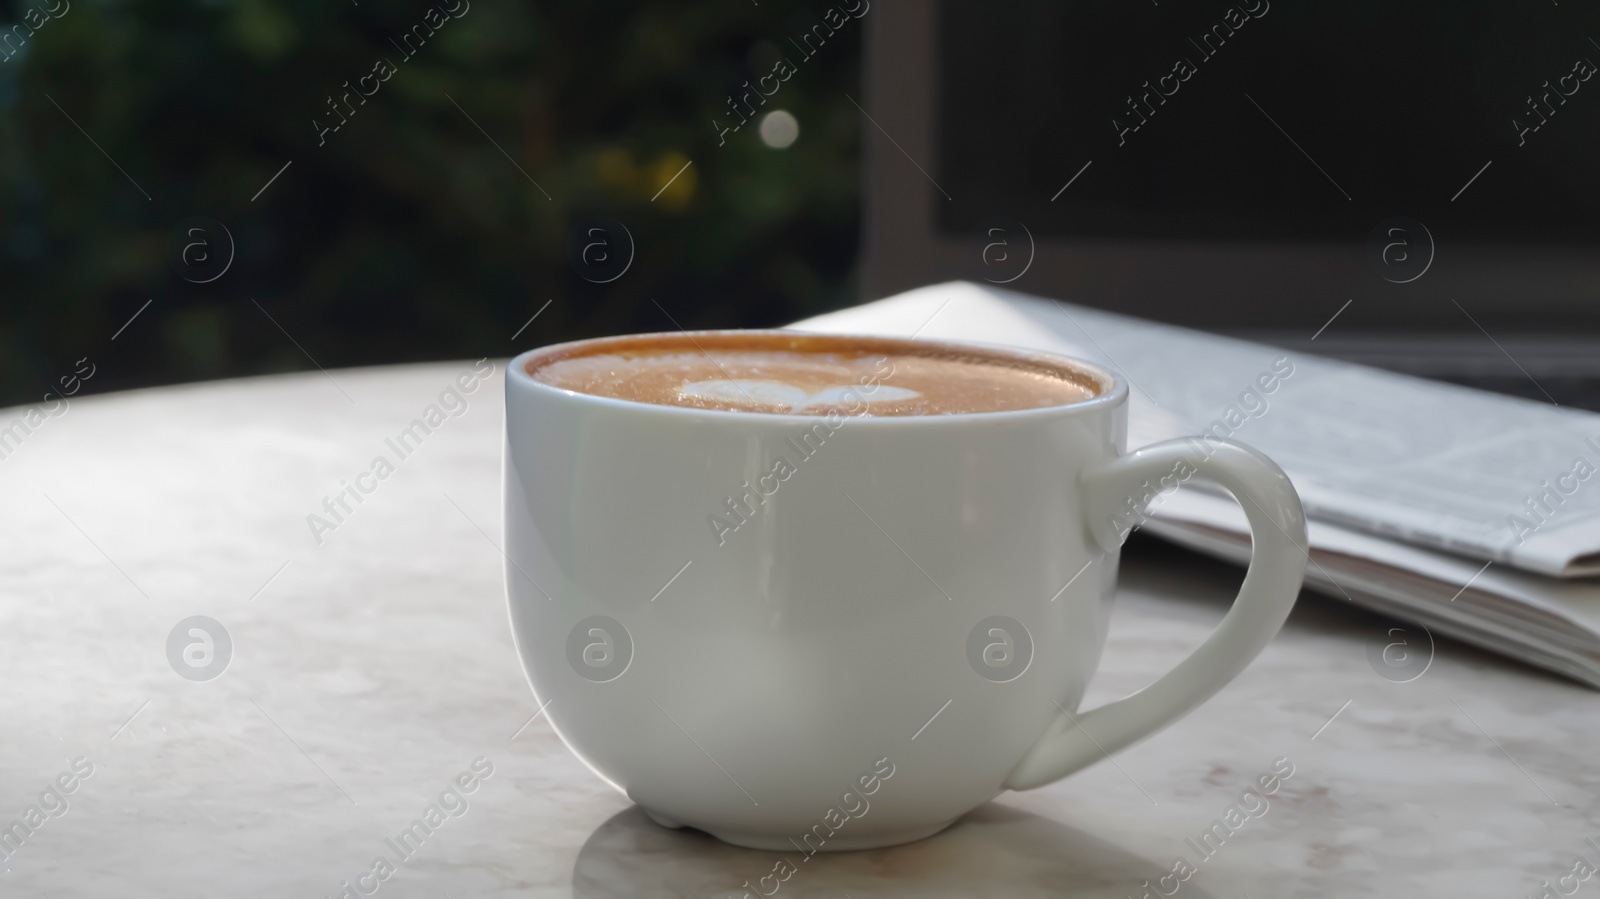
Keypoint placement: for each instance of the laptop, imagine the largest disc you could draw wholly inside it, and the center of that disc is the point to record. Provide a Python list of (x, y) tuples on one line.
[(1410, 186)]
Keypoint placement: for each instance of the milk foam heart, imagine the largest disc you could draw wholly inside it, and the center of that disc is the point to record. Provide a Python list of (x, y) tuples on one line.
[(811, 374), (789, 397)]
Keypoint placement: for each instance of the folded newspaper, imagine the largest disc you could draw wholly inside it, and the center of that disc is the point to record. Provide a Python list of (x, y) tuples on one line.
[(1468, 512)]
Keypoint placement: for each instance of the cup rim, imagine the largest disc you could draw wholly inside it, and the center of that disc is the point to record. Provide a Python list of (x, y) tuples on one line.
[(1113, 388)]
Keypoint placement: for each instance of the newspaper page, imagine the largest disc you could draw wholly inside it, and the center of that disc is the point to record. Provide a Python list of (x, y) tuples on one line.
[(1490, 477), (1549, 622)]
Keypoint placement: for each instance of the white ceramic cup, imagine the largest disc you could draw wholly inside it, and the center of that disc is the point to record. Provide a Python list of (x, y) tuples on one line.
[(901, 627)]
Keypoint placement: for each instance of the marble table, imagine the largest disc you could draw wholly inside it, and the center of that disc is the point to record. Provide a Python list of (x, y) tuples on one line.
[(368, 665)]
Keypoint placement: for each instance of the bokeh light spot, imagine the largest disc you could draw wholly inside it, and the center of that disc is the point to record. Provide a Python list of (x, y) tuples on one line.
[(779, 129)]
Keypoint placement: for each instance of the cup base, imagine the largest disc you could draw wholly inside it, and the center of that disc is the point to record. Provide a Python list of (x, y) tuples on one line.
[(784, 844)]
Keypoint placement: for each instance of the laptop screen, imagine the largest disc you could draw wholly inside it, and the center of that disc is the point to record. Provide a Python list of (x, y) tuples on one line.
[(1272, 121)]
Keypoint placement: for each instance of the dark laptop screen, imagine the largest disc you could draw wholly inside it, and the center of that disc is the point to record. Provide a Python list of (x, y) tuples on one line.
[(1269, 120)]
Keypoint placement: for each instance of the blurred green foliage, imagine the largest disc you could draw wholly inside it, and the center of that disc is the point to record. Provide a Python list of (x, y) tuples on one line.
[(408, 234)]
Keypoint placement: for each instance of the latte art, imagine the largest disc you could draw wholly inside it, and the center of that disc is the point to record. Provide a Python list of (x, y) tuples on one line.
[(779, 373), (788, 397)]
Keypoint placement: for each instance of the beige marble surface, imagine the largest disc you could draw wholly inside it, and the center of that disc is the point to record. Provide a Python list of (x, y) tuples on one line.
[(378, 665)]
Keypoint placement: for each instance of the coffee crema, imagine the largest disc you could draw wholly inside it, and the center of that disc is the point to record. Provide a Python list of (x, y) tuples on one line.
[(811, 374)]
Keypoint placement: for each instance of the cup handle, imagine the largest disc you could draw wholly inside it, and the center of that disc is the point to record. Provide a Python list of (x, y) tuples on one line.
[(1114, 492)]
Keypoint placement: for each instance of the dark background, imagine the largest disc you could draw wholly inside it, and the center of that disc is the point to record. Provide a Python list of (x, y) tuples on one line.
[(408, 235)]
